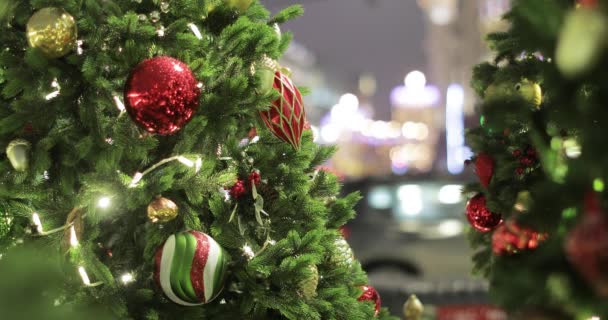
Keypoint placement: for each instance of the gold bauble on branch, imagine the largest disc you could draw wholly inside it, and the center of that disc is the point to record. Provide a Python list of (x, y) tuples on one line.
[(343, 255), (528, 90), (241, 5), (53, 31), (18, 153), (308, 286), (413, 308), (162, 210)]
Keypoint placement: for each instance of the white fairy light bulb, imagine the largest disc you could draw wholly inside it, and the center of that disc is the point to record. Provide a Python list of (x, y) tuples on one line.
[(37, 222), (73, 238), (104, 202), (84, 276), (127, 278)]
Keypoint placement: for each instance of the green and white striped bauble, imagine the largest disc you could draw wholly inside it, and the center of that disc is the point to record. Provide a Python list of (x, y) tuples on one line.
[(190, 268)]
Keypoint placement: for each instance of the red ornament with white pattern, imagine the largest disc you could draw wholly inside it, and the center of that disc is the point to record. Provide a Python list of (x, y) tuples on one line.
[(286, 116)]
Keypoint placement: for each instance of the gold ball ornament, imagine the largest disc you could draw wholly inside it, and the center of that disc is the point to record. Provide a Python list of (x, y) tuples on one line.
[(241, 5), (18, 153), (53, 31), (528, 90), (413, 308), (162, 210), (308, 286), (343, 256)]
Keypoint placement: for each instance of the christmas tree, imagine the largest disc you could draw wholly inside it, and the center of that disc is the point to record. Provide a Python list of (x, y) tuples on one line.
[(539, 213), (161, 154)]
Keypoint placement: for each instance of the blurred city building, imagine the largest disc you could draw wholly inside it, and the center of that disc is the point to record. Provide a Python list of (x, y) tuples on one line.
[(426, 132)]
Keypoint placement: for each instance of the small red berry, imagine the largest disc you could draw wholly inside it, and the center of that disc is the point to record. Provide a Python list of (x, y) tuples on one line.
[(531, 152), (517, 153), (255, 178), (519, 171), (526, 161), (238, 189)]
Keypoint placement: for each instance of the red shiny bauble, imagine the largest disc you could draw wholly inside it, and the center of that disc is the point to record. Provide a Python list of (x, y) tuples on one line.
[(511, 238), (286, 116), (161, 95), (482, 219), (587, 246), (484, 168), (370, 294)]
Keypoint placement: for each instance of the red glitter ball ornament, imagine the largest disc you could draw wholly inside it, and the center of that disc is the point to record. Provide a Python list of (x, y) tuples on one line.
[(511, 238), (587, 246), (161, 95), (286, 116), (370, 294), (238, 189), (482, 219), (484, 168)]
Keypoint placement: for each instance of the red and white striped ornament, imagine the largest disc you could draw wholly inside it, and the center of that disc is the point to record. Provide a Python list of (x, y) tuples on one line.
[(191, 268), (286, 116)]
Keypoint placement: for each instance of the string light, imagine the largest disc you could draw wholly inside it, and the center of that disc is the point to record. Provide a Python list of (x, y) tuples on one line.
[(73, 238), (136, 179), (185, 161), (160, 31), (248, 252), (84, 276), (195, 30), (79, 49), (127, 278), (37, 222), (119, 104), (104, 202), (55, 93), (197, 164)]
